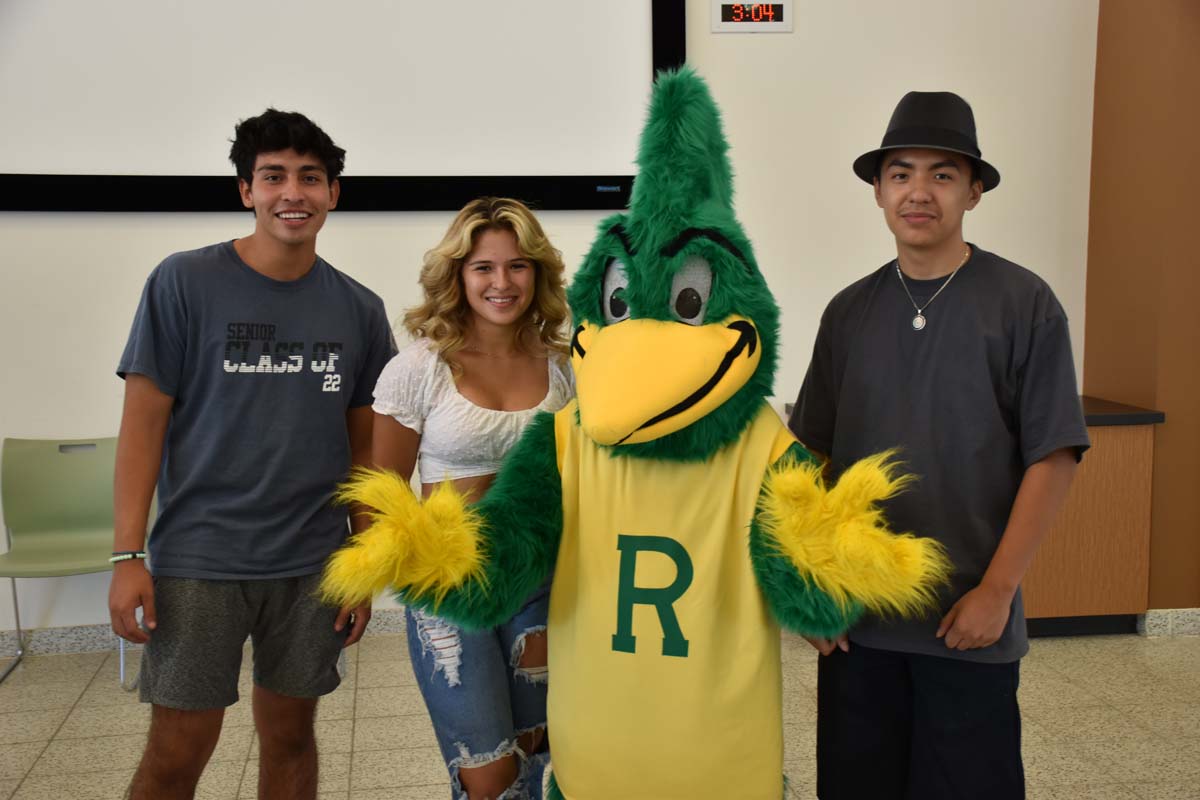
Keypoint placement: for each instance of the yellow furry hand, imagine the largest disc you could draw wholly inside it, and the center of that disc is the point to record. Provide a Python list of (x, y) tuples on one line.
[(839, 540), (427, 548)]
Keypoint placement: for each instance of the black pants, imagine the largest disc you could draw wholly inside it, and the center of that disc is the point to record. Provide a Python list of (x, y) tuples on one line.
[(913, 727)]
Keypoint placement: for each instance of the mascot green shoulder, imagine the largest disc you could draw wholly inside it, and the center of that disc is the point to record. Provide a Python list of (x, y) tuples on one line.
[(681, 520)]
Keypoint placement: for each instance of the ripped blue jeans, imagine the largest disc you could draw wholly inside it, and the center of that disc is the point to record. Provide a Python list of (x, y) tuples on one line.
[(480, 701)]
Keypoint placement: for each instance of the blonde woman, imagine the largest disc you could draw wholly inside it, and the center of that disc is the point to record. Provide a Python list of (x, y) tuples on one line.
[(489, 352)]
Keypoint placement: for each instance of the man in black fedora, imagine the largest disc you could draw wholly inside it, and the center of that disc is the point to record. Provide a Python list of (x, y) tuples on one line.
[(962, 360)]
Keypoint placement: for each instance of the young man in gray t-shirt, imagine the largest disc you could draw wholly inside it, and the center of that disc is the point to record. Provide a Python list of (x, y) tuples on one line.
[(962, 360), (249, 371)]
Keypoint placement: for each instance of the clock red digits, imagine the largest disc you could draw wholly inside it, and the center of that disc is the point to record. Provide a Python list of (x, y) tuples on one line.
[(769, 12), (756, 12), (738, 13)]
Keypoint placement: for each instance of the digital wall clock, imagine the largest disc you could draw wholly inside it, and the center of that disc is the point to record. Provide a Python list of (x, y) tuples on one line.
[(751, 17)]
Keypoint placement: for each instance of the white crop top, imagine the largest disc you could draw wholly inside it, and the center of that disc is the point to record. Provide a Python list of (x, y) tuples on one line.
[(458, 438)]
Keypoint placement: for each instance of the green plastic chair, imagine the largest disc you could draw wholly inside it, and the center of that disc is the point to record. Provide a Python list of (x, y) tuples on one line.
[(58, 513)]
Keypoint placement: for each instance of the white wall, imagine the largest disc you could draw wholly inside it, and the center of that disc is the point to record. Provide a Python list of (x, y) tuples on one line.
[(798, 109)]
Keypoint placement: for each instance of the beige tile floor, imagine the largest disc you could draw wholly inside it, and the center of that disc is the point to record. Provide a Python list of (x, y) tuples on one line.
[(1106, 718)]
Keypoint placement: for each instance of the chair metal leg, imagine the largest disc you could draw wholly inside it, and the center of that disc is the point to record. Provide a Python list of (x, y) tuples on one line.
[(20, 654), (133, 684), (20, 636)]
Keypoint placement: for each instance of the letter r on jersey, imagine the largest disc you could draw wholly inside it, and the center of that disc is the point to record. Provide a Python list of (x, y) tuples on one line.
[(662, 599)]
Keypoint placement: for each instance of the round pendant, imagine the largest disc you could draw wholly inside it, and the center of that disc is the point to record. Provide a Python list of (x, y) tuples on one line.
[(918, 322)]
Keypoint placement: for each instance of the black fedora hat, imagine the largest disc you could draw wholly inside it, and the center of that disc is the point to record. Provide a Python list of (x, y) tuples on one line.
[(934, 120)]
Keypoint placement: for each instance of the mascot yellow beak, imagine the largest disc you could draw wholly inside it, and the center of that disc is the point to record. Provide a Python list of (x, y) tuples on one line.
[(642, 379)]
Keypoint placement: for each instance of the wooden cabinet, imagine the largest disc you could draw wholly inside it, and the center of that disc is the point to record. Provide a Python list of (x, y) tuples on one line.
[(1096, 558)]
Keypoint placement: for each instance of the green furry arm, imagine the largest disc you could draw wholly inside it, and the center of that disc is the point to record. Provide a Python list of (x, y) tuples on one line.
[(522, 525), (796, 602)]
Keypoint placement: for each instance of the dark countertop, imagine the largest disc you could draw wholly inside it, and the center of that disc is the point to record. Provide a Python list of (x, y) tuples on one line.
[(1097, 411)]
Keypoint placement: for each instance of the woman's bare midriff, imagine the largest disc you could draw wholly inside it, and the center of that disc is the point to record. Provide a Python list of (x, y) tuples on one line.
[(474, 488)]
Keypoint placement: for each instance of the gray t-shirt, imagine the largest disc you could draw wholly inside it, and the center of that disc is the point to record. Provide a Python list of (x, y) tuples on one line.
[(262, 373), (984, 391)]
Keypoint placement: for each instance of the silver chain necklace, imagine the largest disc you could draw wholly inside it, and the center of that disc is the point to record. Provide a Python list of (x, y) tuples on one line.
[(918, 322)]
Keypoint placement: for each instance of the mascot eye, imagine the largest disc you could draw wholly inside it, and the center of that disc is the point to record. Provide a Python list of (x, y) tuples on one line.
[(616, 281), (690, 290)]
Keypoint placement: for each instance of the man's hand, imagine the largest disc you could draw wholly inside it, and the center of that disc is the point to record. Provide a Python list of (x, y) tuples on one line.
[(131, 588), (827, 646), (977, 619), (357, 617)]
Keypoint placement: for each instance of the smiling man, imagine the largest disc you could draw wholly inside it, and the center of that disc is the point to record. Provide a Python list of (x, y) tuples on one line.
[(248, 378), (962, 360)]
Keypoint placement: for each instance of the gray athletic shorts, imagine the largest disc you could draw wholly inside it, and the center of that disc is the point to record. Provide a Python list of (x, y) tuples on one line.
[(194, 654)]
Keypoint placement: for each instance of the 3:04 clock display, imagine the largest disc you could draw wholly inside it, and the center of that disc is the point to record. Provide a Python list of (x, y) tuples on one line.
[(751, 12)]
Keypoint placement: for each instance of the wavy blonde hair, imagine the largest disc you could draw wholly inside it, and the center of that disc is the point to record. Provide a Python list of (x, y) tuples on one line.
[(442, 317)]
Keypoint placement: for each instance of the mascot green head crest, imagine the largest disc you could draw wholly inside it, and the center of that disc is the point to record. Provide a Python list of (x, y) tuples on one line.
[(676, 335)]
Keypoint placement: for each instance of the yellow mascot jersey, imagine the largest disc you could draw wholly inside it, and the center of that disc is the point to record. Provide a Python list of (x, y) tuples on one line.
[(664, 658)]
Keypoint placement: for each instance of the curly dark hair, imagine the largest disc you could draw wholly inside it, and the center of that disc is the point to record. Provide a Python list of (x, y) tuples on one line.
[(275, 130)]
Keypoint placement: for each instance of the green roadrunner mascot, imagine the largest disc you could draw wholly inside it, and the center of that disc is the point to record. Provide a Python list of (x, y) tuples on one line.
[(682, 521)]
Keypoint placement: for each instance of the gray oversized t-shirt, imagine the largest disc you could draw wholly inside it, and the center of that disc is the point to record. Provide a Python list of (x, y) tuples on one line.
[(984, 391), (262, 373)]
